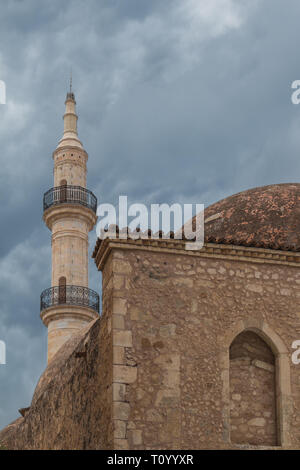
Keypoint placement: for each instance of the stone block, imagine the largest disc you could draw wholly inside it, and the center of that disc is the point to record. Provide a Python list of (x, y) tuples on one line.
[(154, 416), (171, 379), (121, 411), (136, 437), (168, 361), (168, 397), (260, 422), (119, 429), (131, 425), (124, 374), (119, 306), (167, 330), (257, 288), (118, 355), (122, 267), (121, 444), (118, 281), (118, 322), (119, 391), (122, 338), (263, 365), (184, 282)]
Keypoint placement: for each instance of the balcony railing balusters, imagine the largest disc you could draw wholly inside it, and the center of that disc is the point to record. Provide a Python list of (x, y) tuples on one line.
[(70, 195), (70, 295)]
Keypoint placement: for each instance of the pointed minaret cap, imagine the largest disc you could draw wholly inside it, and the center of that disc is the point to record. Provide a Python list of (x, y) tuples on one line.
[(70, 137)]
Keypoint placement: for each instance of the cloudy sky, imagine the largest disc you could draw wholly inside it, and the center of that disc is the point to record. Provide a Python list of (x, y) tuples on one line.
[(178, 101)]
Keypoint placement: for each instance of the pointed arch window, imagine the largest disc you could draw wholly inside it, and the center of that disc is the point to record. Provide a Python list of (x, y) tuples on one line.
[(252, 380)]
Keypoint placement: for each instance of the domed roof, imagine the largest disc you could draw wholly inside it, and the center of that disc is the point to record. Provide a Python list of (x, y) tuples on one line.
[(264, 217)]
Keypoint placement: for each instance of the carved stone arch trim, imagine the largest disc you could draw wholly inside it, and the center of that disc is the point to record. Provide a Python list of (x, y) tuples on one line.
[(283, 380)]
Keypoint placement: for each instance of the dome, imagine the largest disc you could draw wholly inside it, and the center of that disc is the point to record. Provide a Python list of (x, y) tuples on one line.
[(264, 217)]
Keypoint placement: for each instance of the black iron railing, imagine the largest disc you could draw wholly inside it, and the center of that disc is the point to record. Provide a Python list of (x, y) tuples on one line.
[(70, 295), (71, 195)]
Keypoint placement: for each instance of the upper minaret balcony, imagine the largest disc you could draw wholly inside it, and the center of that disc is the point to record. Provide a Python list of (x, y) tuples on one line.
[(68, 194)]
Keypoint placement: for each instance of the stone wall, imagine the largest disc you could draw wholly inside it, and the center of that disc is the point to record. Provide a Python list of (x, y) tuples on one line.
[(71, 407), (174, 316), (165, 367)]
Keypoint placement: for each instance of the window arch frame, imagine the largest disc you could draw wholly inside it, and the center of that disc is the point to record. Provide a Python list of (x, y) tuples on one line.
[(282, 374)]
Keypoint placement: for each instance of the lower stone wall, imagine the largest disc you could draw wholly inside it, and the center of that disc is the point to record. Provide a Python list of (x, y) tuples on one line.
[(71, 407), (163, 364)]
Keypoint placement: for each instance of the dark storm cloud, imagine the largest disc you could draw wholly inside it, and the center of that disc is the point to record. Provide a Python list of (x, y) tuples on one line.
[(179, 101)]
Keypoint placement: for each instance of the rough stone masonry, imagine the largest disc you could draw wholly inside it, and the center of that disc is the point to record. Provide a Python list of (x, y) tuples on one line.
[(192, 350)]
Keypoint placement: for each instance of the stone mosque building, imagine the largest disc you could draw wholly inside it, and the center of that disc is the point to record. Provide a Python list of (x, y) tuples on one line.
[(192, 350)]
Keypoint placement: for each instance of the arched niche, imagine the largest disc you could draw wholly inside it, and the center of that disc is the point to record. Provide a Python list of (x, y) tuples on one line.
[(252, 385), (282, 375)]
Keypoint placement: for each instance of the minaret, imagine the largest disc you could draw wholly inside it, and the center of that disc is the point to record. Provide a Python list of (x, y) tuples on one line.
[(70, 213)]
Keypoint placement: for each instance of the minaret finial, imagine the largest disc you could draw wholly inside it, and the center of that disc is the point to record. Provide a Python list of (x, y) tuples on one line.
[(70, 93), (71, 81)]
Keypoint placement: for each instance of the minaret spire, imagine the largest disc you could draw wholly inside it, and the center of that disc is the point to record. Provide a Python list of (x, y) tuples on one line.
[(70, 136)]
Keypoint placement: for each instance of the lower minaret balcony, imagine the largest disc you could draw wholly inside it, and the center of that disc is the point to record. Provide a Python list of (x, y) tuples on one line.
[(64, 311), (66, 296), (68, 194)]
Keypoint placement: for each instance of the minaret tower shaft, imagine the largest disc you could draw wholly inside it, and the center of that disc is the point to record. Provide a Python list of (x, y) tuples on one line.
[(70, 213)]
